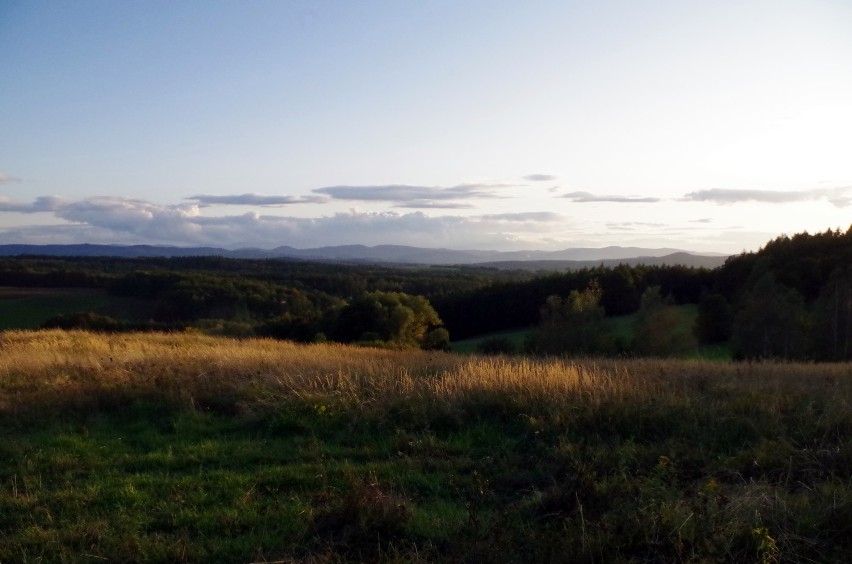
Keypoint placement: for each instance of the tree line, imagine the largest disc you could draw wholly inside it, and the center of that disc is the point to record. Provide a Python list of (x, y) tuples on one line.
[(791, 299)]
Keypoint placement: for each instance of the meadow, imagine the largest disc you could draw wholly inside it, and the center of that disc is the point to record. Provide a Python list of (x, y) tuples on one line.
[(191, 448), (28, 308)]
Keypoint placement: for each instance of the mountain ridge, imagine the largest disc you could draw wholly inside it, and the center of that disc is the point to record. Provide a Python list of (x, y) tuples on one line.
[(394, 254)]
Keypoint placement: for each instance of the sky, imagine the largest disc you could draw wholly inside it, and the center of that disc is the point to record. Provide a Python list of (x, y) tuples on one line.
[(704, 126)]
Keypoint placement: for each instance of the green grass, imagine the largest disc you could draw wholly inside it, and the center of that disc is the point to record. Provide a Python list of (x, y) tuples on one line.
[(189, 449), (291, 483), (469, 346), (622, 327), (28, 308)]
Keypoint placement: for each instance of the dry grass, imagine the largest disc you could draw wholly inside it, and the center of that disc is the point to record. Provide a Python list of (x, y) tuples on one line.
[(58, 368), (477, 457)]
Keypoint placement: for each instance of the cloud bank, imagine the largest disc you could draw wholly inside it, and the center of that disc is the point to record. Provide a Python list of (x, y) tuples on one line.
[(586, 197), (41, 204), (134, 221), (255, 200), (840, 197), (540, 177), (407, 196)]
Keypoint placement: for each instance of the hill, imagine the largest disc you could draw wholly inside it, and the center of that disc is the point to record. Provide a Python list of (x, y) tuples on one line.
[(383, 254)]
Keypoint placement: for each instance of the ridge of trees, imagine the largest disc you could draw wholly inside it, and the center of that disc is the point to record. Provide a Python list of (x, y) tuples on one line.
[(790, 299)]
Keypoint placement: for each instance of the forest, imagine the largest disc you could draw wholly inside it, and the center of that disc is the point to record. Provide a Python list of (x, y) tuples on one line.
[(792, 299)]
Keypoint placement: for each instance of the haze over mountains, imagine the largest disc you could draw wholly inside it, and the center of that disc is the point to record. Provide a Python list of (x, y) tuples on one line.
[(398, 254)]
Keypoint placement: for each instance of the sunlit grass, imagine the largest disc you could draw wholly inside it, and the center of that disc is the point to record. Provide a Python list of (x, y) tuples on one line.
[(151, 447)]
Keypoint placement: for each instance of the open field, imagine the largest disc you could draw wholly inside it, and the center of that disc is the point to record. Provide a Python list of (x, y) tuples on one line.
[(28, 308), (622, 327), (185, 448), (469, 346)]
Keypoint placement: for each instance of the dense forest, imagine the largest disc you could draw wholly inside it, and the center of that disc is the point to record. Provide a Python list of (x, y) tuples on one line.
[(792, 299)]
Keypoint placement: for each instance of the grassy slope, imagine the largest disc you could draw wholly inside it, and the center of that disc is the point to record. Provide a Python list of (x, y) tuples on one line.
[(189, 448), (621, 327), (28, 308), (469, 346)]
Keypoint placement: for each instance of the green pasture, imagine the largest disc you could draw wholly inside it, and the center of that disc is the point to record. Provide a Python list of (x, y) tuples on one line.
[(28, 308), (622, 327)]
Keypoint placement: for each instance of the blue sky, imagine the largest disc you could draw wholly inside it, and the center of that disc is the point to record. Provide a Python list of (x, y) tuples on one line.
[(708, 126)]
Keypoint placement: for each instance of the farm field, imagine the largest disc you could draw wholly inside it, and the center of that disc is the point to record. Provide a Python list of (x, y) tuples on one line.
[(189, 448)]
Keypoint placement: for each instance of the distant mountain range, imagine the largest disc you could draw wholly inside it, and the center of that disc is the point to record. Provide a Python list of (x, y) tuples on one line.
[(566, 259)]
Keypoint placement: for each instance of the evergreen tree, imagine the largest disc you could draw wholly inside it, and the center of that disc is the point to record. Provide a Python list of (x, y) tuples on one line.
[(772, 322), (715, 319), (833, 314)]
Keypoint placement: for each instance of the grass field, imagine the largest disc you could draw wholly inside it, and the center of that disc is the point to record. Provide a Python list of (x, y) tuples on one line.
[(186, 448), (622, 327), (28, 308), (470, 346)]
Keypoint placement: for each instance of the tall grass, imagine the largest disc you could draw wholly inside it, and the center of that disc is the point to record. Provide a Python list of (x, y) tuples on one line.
[(370, 454), (44, 368)]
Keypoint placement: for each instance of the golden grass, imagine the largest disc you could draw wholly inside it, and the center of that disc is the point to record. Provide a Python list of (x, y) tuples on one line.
[(760, 447), (58, 367)]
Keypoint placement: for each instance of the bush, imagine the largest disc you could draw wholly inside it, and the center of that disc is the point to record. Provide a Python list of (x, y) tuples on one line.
[(83, 320)]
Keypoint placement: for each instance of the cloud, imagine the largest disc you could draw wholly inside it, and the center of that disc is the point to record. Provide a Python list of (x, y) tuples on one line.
[(405, 195), (840, 197), (133, 221), (524, 216), (540, 177), (635, 224), (6, 179), (255, 200), (41, 204), (586, 197), (435, 205)]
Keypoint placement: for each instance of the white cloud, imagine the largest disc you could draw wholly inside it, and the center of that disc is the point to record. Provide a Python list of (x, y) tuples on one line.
[(6, 179), (840, 197), (41, 204), (586, 197), (540, 177), (407, 196), (123, 220), (255, 200), (524, 217)]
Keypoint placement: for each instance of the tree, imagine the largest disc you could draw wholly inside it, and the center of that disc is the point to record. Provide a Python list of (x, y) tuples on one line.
[(619, 293), (437, 339), (659, 328), (572, 325), (833, 314), (772, 322), (715, 319), (391, 317)]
